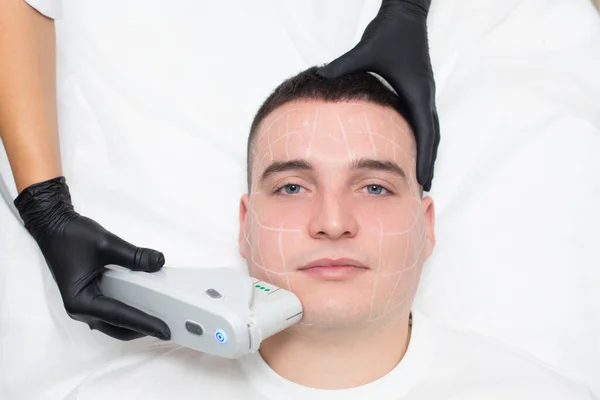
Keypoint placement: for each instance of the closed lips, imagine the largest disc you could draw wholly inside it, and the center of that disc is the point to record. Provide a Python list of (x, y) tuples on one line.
[(338, 262)]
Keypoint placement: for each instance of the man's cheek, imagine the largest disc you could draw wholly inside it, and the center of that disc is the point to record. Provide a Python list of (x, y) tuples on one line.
[(264, 249)]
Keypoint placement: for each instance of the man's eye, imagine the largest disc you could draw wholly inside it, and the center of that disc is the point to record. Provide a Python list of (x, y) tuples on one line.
[(292, 188), (376, 189), (289, 189)]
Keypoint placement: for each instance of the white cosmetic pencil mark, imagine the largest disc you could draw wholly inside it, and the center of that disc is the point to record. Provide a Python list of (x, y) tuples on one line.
[(343, 131), (262, 132), (368, 126), (254, 221), (268, 128), (394, 145), (287, 129), (409, 268), (389, 116), (402, 303), (399, 277), (261, 163), (271, 228), (253, 260), (313, 130), (260, 266), (392, 142), (258, 246), (407, 230), (400, 273), (285, 135), (378, 267), (281, 255), (270, 143), (280, 244)]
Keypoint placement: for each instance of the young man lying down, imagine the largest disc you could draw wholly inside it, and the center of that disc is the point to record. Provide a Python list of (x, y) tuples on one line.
[(335, 214)]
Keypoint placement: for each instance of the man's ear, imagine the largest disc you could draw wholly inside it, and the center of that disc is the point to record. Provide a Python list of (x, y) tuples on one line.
[(429, 216), (242, 232)]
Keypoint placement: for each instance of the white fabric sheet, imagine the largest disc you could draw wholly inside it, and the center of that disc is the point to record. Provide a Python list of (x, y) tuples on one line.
[(155, 102), (440, 363)]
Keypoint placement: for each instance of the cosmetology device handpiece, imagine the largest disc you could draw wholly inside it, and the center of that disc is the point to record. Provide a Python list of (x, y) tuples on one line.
[(217, 311)]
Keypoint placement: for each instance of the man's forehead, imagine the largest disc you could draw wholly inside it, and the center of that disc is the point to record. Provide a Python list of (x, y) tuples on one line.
[(349, 130), (307, 114)]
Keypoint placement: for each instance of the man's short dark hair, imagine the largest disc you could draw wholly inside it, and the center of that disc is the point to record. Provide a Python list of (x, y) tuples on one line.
[(308, 85)]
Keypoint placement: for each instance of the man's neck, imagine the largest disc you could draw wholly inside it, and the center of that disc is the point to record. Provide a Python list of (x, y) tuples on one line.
[(337, 360)]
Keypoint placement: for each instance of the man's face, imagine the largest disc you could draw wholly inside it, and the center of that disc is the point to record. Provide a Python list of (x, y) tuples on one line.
[(335, 183)]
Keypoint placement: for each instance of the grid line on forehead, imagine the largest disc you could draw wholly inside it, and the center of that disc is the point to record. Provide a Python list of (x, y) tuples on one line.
[(385, 113), (344, 136), (308, 85), (257, 162)]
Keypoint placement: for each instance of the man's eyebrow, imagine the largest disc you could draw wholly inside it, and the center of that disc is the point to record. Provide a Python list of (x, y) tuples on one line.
[(283, 166), (361, 163), (378, 165)]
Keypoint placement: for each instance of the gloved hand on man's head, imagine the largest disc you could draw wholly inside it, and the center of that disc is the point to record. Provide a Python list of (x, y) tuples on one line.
[(395, 46)]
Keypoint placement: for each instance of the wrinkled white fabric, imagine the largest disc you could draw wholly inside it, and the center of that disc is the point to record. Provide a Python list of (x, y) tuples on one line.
[(440, 363), (155, 103), (49, 8)]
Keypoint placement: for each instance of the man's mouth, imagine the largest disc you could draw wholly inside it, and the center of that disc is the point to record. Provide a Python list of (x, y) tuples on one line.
[(334, 269), (333, 262)]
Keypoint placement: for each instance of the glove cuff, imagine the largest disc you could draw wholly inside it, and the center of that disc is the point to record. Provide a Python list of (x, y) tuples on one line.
[(43, 206)]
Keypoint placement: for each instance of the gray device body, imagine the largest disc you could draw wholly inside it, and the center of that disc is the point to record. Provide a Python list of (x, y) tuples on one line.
[(217, 311)]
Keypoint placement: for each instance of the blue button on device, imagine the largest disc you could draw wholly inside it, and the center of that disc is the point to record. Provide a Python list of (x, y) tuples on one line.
[(221, 336)]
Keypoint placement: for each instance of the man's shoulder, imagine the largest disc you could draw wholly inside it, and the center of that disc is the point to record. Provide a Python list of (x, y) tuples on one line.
[(492, 363)]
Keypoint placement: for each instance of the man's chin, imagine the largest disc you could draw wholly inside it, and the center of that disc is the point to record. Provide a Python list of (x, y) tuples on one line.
[(334, 311)]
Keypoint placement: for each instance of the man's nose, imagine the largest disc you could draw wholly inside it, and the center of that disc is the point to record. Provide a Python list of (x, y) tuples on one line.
[(334, 217)]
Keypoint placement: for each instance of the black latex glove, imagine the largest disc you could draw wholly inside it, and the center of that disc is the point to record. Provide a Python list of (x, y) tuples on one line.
[(395, 46), (76, 250)]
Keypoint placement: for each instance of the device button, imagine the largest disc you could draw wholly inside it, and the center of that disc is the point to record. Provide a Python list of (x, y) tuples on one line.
[(220, 336), (213, 294), (194, 327)]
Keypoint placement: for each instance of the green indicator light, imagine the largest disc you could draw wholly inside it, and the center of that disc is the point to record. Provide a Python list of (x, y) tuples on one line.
[(266, 290), (262, 287), (257, 286)]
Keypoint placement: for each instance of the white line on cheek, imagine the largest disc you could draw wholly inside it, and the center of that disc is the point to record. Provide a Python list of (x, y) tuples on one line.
[(280, 242), (378, 267), (399, 277), (262, 267), (407, 230), (262, 260), (383, 315), (401, 272)]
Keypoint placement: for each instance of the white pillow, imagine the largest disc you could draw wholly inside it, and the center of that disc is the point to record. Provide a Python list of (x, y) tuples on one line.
[(517, 186)]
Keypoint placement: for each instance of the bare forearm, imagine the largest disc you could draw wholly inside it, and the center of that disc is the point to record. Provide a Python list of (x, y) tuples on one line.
[(28, 120)]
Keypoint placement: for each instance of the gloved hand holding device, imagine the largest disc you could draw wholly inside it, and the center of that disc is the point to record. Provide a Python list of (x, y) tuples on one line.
[(76, 248)]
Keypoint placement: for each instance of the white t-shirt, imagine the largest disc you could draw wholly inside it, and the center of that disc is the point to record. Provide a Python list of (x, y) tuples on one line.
[(440, 363)]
